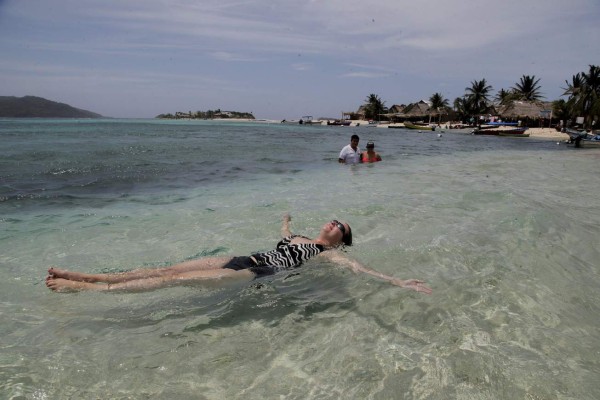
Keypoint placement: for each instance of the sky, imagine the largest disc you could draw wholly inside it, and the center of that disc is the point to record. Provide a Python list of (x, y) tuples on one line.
[(287, 58)]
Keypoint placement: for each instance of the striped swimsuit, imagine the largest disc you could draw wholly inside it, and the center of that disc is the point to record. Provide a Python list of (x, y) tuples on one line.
[(286, 255)]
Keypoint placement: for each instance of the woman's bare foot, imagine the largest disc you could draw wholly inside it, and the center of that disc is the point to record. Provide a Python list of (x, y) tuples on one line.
[(66, 285), (54, 272)]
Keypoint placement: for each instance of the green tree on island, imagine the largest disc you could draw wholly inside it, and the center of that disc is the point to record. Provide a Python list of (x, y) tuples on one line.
[(478, 96), (459, 106), (504, 97), (560, 110), (527, 89), (591, 94), (374, 107), (584, 96), (475, 100), (438, 104)]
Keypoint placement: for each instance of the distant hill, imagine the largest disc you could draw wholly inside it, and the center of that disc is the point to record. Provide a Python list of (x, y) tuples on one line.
[(37, 107)]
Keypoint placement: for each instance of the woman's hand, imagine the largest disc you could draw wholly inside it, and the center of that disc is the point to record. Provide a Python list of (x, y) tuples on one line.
[(285, 226), (341, 259), (413, 284)]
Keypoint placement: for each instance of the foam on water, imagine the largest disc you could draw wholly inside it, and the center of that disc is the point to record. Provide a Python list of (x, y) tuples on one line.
[(505, 234)]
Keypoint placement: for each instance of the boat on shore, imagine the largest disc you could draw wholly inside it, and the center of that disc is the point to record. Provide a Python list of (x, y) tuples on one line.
[(305, 120), (500, 131), (582, 138), (308, 120), (422, 127), (339, 122)]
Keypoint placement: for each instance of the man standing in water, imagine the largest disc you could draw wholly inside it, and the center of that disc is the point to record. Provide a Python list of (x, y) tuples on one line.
[(350, 154)]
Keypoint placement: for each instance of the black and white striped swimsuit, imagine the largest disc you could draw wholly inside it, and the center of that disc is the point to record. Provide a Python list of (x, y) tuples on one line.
[(285, 256)]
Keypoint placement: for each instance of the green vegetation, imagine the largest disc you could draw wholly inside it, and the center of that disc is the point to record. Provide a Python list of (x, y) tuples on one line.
[(584, 97), (439, 105), (583, 93), (527, 89), (210, 114), (504, 97), (374, 107), (37, 107)]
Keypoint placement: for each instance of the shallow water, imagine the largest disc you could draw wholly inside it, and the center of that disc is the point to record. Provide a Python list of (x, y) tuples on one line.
[(504, 230)]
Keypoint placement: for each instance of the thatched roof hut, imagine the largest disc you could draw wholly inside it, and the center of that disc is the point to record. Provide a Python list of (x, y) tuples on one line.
[(417, 110), (358, 114), (397, 108), (524, 109)]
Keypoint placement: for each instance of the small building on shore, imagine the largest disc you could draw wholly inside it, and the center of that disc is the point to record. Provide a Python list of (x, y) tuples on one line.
[(530, 113)]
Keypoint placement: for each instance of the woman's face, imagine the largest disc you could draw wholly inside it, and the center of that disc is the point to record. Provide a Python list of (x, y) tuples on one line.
[(335, 230)]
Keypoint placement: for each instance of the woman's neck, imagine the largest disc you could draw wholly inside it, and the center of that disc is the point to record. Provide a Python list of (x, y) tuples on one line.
[(324, 242)]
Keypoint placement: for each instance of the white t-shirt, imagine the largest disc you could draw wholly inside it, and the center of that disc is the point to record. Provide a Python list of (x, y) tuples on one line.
[(349, 155)]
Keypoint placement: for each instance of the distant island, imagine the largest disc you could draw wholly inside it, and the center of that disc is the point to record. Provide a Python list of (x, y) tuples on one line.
[(37, 107), (210, 114)]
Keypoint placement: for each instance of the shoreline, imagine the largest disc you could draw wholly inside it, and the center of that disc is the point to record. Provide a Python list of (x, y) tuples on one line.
[(547, 133), (540, 133)]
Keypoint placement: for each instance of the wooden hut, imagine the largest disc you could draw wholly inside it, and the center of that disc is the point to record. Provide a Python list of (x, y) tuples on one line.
[(354, 115), (536, 112), (417, 110)]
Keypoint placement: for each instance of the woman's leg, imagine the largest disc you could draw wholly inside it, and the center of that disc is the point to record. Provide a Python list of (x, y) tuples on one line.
[(142, 273), (206, 277)]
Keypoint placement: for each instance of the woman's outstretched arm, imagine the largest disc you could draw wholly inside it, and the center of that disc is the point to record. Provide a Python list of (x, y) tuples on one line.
[(285, 226), (339, 258)]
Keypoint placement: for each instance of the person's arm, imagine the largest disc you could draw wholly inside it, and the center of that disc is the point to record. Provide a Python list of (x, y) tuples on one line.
[(285, 226), (342, 156), (339, 258)]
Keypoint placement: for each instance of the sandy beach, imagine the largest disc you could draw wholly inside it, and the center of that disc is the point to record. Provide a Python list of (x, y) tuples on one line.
[(547, 133), (542, 133)]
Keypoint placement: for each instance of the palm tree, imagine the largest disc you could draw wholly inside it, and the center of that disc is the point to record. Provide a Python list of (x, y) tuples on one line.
[(374, 107), (504, 97), (560, 109), (464, 108), (591, 95), (477, 97), (575, 86), (584, 95), (574, 90), (527, 89), (438, 104)]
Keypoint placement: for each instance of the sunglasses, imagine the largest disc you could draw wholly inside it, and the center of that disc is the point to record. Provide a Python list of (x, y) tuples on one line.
[(340, 226)]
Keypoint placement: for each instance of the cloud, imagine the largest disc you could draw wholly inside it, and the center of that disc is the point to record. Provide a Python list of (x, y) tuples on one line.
[(302, 66), (232, 57), (364, 74), (390, 47), (315, 26)]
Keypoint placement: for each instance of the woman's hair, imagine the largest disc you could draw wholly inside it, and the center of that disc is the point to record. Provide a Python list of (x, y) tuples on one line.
[(347, 238)]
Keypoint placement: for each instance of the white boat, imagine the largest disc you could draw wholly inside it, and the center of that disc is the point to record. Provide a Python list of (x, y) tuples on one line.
[(305, 120)]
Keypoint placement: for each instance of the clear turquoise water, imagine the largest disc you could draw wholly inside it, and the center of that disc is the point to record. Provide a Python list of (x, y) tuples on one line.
[(504, 230)]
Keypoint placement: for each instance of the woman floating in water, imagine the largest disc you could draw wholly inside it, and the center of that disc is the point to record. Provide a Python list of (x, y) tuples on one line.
[(290, 252)]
